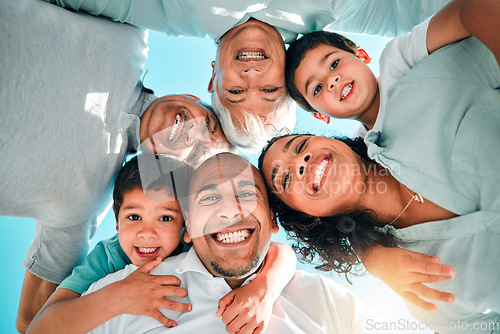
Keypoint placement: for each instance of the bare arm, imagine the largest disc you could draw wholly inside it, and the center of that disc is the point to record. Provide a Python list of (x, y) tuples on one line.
[(139, 294), (249, 308), (462, 18), (34, 294)]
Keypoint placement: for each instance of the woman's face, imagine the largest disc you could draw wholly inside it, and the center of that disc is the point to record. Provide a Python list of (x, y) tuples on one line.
[(249, 72), (316, 175)]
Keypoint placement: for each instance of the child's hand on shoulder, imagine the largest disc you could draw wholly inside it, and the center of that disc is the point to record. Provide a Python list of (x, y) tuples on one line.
[(141, 293), (247, 309)]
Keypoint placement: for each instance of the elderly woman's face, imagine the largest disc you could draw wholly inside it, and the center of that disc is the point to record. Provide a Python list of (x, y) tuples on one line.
[(249, 71), (316, 175)]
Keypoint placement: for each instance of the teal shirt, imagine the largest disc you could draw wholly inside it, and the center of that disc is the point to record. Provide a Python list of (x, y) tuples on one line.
[(440, 138), (107, 257)]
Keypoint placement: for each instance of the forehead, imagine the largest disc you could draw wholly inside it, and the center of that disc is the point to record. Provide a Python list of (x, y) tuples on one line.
[(223, 168)]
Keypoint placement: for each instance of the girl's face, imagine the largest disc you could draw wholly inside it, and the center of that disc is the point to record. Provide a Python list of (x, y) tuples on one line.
[(316, 175)]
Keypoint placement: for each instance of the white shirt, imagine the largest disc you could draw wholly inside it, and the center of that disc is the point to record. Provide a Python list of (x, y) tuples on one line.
[(310, 303), (398, 57)]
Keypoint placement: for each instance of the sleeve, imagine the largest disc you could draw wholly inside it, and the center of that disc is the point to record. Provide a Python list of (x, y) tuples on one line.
[(383, 17), (98, 264), (173, 17), (401, 54)]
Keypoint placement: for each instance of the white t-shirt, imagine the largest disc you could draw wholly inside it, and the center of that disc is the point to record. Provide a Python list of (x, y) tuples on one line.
[(310, 303)]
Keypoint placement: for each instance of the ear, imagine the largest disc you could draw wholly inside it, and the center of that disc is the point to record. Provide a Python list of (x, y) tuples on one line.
[(275, 228), (186, 236), (363, 55), (117, 222), (321, 117), (211, 82)]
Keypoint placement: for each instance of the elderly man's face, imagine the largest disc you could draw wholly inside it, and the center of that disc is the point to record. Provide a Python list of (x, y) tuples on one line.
[(249, 73), (179, 125), (229, 219)]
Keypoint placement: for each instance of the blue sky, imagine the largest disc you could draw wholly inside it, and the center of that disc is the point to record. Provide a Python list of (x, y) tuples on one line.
[(176, 66)]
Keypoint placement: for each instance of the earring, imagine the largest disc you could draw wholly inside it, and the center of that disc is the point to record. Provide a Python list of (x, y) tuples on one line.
[(213, 63)]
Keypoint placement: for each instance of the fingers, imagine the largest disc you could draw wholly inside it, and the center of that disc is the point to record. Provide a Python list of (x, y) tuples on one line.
[(175, 305), (147, 267), (433, 294), (431, 268), (428, 278), (224, 302), (414, 299), (163, 319)]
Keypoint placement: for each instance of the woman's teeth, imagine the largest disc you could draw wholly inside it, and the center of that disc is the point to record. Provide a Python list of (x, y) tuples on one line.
[(346, 90), (233, 237), (319, 173), (147, 250), (174, 127)]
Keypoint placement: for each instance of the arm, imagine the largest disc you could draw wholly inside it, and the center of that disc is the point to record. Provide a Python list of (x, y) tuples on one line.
[(462, 18), (405, 272), (249, 308), (138, 294), (34, 294)]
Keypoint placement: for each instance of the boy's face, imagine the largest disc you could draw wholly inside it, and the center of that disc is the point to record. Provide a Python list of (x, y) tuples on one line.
[(149, 228), (336, 83)]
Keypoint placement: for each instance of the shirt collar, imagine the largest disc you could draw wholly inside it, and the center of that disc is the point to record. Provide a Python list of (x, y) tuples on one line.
[(192, 263)]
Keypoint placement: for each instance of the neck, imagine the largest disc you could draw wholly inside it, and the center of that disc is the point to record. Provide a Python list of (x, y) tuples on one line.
[(369, 117), (383, 194), (235, 282)]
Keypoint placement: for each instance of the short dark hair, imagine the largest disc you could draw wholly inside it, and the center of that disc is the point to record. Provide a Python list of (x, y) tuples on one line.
[(336, 240), (173, 175), (297, 50)]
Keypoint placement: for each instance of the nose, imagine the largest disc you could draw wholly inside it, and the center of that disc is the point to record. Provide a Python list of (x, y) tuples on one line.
[(229, 210), (147, 231), (333, 80), (301, 165), (251, 72)]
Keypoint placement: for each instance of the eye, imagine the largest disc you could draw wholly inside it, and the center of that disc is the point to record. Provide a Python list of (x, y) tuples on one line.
[(317, 89), (285, 181), (166, 218), (134, 217), (301, 146), (334, 65), (270, 90), (235, 91), (247, 195), (208, 199)]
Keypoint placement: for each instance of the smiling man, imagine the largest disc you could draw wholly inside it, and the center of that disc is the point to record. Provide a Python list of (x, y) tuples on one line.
[(230, 225)]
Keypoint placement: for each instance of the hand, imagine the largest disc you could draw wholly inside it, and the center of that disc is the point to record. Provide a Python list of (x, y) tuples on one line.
[(405, 272), (141, 293), (246, 310)]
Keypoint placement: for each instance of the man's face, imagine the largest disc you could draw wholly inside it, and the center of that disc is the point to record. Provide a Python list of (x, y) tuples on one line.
[(179, 125), (229, 219), (249, 73)]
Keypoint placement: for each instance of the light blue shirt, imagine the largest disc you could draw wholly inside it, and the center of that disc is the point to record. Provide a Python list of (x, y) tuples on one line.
[(440, 138), (290, 17)]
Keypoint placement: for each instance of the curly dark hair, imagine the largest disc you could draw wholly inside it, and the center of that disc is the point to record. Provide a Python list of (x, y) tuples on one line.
[(337, 240), (296, 52)]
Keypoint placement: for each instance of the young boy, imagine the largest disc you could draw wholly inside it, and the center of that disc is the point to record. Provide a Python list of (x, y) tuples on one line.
[(150, 225), (327, 74)]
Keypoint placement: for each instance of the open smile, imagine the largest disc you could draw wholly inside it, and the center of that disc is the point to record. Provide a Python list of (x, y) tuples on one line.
[(251, 55), (346, 91), (233, 237), (319, 172), (147, 252)]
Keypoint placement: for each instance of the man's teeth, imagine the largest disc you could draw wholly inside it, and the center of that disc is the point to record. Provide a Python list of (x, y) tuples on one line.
[(250, 55), (147, 250), (174, 127), (319, 173), (346, 90), (233, 237)]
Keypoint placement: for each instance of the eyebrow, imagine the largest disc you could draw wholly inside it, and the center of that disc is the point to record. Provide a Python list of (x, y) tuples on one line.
[(131, 207), (322, 61), (244, 183), (285, 149), (205, 188)]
